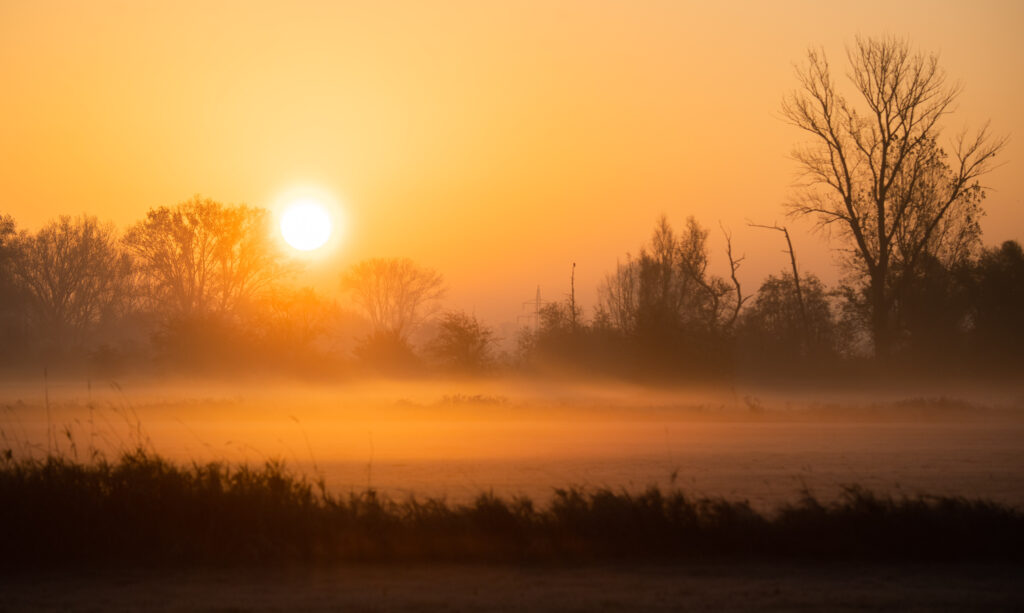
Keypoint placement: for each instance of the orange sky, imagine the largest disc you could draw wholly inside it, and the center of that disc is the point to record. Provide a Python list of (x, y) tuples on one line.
[(496, 142)]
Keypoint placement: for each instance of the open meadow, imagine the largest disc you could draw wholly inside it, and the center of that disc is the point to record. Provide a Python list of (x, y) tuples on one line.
[(457, 438)]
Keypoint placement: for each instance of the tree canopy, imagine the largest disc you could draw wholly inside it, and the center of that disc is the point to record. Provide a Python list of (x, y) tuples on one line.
[(73, 273), (202, 257)]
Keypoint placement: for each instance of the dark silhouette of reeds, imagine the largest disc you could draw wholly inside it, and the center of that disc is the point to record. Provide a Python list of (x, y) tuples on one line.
[(142, 509)]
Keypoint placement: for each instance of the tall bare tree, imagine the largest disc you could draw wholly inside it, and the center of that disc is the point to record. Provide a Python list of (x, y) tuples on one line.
[(202, 257), (74, 274), (875, 172), (395, 294)]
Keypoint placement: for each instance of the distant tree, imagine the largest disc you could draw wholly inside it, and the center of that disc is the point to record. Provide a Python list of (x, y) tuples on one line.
[(797, 289), (462, 342), (666, 300), (875, 173), (395, 294), (203, 258), (13, 314), (8, 252), (557, 337), (290, 322), (932, 311), (791, 325), (74, 274), (8, 232), (996, 290)]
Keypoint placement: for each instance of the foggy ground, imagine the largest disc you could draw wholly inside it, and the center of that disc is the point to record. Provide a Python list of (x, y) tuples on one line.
[(455, 439), (702, 587), (458, 438)]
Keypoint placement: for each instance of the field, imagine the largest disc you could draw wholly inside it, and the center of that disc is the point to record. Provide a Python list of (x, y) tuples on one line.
[(565, 496), (456, 439)]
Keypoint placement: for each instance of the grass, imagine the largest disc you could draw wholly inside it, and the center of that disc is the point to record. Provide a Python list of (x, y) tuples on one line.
[(143, 509)]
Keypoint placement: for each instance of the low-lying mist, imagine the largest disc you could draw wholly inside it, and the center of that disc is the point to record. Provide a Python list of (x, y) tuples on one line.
[(455, 438)]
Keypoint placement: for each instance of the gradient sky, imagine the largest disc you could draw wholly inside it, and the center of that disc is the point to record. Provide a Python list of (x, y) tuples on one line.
[(496, 142)]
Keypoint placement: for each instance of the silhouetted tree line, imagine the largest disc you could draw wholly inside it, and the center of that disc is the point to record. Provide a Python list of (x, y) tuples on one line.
[(204, 285), (198, 285), (662, 314)]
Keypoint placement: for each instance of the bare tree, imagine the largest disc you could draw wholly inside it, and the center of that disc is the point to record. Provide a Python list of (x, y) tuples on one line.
[(202, 257), (618, 295), (734, 266), (650, 292), (796, 273), (395, 294), (74, 274), (668, 286), (874, 170)]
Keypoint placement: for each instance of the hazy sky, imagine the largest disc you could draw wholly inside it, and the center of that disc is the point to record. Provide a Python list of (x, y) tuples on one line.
[(496, 142)]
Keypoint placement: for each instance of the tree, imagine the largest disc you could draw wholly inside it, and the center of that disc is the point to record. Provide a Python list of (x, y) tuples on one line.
[(395, 294), (290, 323), (13, 328), (996, 288), (74, 274), (204, 258), (932, 310), (790, 323), (463, 342), (875, 172), (798, 291), (557, 338), (8, 251), (8, 233), (665, 297)]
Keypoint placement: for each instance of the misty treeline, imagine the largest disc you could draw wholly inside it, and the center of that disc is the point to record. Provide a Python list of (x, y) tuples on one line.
[(661, 312), (203, 285), (200, 284)]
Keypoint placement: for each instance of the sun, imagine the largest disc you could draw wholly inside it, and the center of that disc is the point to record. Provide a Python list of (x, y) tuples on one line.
[(306, 225)]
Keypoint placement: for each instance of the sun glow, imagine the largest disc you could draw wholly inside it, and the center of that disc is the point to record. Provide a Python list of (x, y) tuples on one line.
[(306, 225)]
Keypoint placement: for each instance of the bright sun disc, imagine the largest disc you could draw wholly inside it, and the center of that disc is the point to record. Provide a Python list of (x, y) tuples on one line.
[(306, 225)]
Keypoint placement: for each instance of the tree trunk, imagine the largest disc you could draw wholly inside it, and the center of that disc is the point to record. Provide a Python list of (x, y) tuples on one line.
[(880, 329)]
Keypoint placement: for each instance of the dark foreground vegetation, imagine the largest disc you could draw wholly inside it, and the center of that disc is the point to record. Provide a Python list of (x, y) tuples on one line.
[(143, 509)]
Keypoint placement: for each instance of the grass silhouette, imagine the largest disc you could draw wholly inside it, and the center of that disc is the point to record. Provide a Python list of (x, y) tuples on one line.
[(142, 509)]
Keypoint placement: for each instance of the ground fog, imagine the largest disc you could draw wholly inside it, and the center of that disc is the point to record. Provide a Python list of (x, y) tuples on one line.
[(454, 439)]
